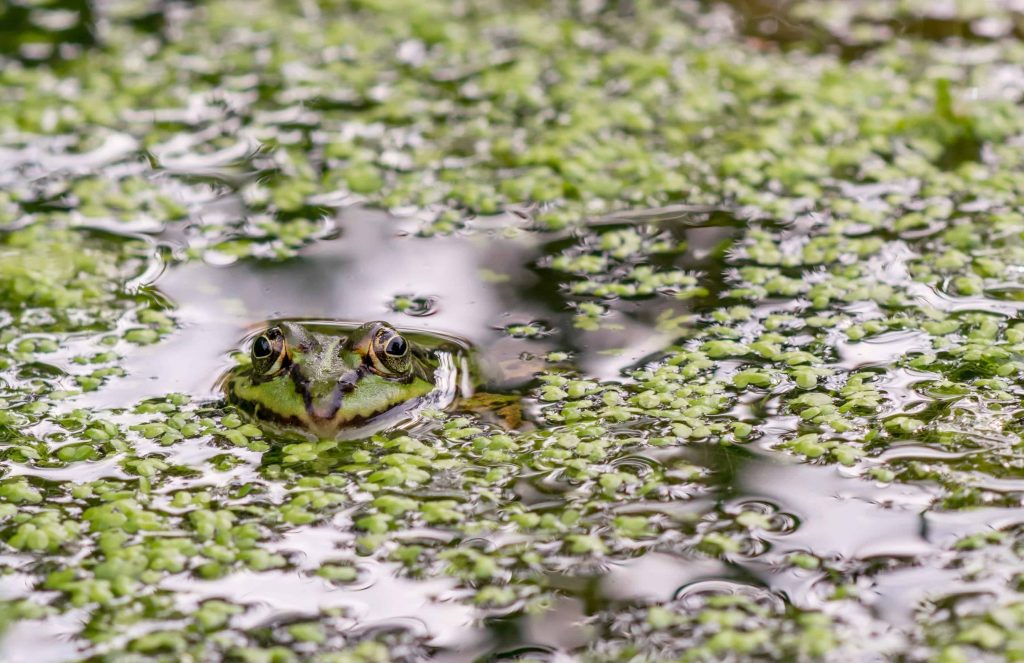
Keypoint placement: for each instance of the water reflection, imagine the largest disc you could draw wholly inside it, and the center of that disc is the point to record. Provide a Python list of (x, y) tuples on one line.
[(37, 32), (490, 287), (479, 284)]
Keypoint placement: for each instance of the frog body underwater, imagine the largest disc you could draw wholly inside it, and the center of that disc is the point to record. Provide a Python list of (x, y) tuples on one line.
[(335, 382)]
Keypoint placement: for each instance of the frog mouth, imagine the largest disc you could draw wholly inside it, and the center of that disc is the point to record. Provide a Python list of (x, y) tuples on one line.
[(329, 407), (327, 413), (311, 419)]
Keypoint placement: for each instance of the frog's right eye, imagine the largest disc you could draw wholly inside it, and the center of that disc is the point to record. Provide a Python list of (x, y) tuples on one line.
[(269, 352)]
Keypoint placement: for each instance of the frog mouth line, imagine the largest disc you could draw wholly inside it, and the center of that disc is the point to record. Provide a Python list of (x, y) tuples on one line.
[(326, 411), (322, 418), (257, 411), (337, 417)]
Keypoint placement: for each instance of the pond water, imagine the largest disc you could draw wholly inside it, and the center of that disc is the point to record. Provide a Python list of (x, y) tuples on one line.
[(750, 273)]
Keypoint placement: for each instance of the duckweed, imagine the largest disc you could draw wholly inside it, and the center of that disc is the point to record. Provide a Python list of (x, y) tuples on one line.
[(816, 212)]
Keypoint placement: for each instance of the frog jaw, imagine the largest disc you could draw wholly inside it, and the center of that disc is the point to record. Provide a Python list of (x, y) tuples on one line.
[(286, 401), (334, 384), (373, 395)]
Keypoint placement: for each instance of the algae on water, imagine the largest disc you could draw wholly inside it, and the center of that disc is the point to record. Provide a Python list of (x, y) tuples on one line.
[(822, 461)]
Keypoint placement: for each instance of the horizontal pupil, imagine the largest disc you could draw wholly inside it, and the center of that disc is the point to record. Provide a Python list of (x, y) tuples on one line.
[(262, 347), (396, 346)]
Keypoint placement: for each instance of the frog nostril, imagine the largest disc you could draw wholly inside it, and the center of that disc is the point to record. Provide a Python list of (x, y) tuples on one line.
[(347, 383)]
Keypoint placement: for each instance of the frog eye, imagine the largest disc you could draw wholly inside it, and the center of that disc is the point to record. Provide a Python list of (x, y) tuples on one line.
[(396, 347), (389, 352), (268, 352), (261, 348)]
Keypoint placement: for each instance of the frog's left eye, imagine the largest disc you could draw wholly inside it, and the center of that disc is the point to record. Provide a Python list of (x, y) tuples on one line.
[(389, 352), (268, 352)]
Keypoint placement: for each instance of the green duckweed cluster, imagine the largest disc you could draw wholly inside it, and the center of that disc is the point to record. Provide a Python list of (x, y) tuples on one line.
[(857, 317)]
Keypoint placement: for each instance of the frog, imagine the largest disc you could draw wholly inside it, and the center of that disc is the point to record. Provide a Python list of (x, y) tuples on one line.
[(339, 381)]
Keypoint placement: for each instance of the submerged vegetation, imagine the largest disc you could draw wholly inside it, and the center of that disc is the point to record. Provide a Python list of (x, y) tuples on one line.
[(813, 211)]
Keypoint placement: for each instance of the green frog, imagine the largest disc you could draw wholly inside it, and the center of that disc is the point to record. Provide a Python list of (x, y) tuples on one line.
[(335, 381)]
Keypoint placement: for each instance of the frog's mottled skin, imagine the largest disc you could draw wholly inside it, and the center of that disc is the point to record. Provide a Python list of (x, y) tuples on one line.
[(327, 383)]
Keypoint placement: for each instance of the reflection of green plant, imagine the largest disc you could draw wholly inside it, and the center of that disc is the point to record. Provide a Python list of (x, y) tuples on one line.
[(724, 626), (954, 134)]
